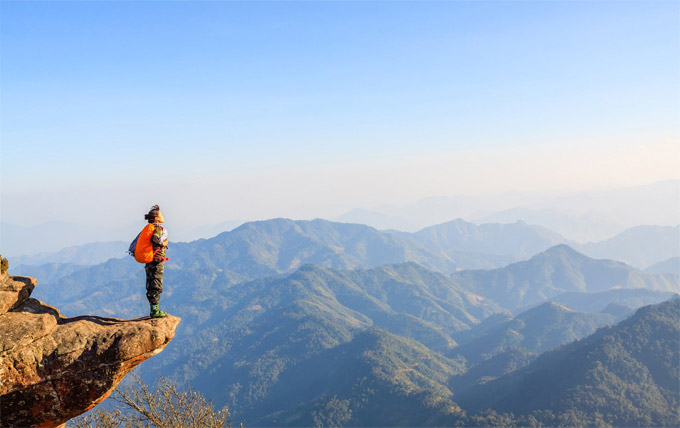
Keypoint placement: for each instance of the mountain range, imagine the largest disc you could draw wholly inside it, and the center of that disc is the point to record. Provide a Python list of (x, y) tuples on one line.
[(558, 270), (671, 265), (640, 246), (376, 379), (624, 375), (536, 330), (88, 254), (446, 247), (298, 351), (295, 323), (278, 247), (517, 240), (502, 343), (264, 328), (601, 301), (578, 216)]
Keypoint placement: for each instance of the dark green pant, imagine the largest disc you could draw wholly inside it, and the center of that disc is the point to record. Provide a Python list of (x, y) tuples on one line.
[(154, 281)]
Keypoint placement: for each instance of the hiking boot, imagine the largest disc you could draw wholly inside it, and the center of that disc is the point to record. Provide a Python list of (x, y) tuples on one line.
[(156, 313)]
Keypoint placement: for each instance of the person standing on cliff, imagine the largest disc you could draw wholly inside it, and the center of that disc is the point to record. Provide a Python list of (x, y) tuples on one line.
[(154, 269)]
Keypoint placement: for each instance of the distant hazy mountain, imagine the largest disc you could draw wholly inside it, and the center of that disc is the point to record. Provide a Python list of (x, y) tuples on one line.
[(47, 237), (598, 302), (556, 271), (639, 246), (49, 272), (592, 216), (279, 246), (579, 216), (517, 240), (204, 232), (251, 251), (425, 212), (87, 254), (620, 312), (377, 220), (575, 228), (671, 265), (656, 203), (536, 330), (115, 287), (625, 375)]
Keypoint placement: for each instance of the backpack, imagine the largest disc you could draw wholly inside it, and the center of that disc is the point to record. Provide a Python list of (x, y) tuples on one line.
[(141, 247)]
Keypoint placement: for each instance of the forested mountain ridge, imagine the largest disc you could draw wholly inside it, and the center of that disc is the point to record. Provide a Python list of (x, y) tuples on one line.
[(277, 246), (266, 329), (501, 343), (377, 379), (558, 270), (253, 250), (262, 248), (465, 245), (624, 375), (256, 331), (258, 309), (536, 330)]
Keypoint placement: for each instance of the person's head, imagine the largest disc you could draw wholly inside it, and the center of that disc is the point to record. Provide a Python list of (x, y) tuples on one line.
[(154, 215)]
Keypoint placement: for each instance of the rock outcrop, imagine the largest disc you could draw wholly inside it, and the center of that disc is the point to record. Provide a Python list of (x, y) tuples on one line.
[(54, 368)]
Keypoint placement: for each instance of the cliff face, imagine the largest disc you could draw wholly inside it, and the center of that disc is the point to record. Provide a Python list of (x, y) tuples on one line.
[(54, 368)]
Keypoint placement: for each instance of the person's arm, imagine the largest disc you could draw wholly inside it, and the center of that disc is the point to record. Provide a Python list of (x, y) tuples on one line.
[(159, 238), (164, 237)]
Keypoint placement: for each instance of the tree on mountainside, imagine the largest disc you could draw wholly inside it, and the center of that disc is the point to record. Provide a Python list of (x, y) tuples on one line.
[(164, 406)]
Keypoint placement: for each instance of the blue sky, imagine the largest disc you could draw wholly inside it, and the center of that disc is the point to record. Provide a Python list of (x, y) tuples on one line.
[(306, 109)]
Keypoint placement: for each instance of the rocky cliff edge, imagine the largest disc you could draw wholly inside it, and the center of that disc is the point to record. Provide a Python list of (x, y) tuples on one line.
[(54, 368)]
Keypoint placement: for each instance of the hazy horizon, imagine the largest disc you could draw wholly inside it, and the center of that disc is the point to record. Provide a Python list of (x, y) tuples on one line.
[(578, 216)]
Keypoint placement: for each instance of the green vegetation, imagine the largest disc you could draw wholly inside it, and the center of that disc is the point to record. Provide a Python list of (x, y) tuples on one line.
[(199, 270), (376, 379), (625, 375), (555, 271), (270, 326), (287, 343), (536, 330)]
